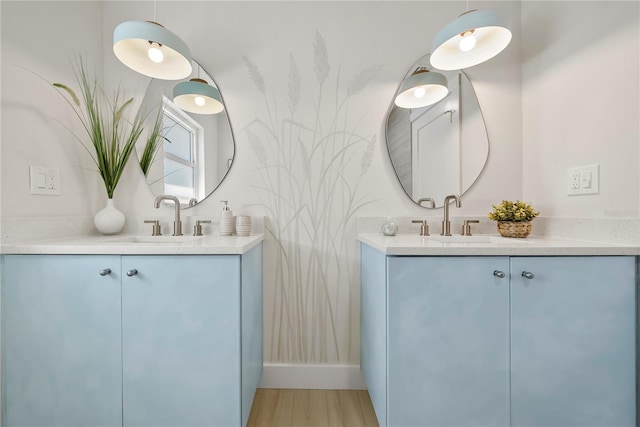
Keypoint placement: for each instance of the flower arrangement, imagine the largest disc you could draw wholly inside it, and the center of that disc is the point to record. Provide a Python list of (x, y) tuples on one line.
[(112, 136), (512, 211)]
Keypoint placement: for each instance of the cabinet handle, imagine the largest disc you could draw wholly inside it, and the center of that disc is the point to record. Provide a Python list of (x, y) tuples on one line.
[(527, 275), (499, 274), (105, 272), (132, 272)]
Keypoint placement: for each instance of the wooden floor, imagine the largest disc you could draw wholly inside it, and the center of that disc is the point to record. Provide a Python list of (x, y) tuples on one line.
[(300, 408)]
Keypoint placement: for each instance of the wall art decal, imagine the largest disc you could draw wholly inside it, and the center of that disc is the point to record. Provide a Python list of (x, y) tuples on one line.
[(311, 161)]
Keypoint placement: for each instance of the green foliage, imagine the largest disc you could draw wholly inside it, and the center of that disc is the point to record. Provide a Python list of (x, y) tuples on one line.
[(154, 142), (512, 211), (112, 136)]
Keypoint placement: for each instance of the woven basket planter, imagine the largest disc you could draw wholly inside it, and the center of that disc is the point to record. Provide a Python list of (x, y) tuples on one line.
[(514, 229)]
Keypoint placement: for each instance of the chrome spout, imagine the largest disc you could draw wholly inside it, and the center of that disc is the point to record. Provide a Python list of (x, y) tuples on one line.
[(177, 224), (446, 224)]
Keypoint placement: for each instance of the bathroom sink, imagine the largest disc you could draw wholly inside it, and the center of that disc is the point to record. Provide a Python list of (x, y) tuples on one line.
[(156, 239), (479, 239)]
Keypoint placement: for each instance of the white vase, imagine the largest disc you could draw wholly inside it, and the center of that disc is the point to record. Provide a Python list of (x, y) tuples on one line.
[(109, 220)]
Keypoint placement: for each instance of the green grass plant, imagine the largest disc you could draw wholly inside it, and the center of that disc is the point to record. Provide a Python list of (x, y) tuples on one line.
[(112, 135)]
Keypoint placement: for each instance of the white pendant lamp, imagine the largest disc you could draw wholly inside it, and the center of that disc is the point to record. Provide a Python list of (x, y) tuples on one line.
[(150, 49), (422, 88), (197, 96), (472, 38)]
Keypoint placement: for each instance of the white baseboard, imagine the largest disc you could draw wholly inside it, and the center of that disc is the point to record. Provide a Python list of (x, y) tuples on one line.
[(329, 377)]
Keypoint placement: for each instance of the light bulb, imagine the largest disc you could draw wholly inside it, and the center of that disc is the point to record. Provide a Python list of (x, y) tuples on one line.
[(154, 52), (468, 41), (199, 101), (419, 92)]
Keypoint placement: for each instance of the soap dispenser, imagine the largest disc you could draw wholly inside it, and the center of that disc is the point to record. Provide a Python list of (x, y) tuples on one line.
[(227, 220)]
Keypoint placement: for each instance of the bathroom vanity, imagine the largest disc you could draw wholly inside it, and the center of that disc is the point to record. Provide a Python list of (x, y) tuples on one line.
[(100, 331), (505, 332)]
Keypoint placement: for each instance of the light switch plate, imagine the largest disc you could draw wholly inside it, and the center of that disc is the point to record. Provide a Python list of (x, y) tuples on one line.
[(44, 181), (583, 180)]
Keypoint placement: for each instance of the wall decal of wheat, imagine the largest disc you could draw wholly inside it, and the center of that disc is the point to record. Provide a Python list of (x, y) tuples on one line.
[(311, 161)]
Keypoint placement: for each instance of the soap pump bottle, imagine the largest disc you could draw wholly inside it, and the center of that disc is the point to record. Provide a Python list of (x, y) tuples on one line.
[(227, 221)]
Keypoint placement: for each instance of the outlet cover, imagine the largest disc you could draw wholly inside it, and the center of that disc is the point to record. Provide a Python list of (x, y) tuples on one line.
[(583, 180), (44, 181)]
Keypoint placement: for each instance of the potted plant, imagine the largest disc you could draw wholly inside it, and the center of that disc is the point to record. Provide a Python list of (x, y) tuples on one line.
[(514, 218), (113, 137)]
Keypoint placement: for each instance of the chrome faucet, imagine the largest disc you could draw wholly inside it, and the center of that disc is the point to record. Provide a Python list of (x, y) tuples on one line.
[(446, 224), (427, 199), (177, 224)]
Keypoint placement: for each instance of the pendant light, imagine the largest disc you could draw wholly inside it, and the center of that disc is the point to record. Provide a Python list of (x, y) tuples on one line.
[(472, 38), (150, 49), (197, 96), (422, 88)]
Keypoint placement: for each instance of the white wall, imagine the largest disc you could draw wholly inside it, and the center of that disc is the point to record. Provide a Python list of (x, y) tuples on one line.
[(44, 38), (310, 199), (581, 95)]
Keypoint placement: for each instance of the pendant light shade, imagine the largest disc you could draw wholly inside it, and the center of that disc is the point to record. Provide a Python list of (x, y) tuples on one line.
[(422, 88), (197, 96), (470, 39), (152, 50)]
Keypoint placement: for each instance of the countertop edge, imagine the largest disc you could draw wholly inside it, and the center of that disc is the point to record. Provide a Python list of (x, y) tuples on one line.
[(96, 245), (539, 246)]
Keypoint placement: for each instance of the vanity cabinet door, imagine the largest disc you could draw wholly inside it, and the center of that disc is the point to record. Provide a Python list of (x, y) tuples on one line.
[(573, 341), (181, 340), (61, 340), (448, 341)]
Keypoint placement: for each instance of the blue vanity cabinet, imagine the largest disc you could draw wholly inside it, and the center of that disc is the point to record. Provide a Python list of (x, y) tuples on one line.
[(161, 340), (448, 340), (61, 362), (452, 341), (573, 329)]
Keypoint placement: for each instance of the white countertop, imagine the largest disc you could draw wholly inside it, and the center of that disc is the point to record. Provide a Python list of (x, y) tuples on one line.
[(129, 245), (411, 244)]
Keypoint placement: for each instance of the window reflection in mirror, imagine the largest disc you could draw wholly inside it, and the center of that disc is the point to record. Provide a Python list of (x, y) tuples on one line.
[(183, 149)]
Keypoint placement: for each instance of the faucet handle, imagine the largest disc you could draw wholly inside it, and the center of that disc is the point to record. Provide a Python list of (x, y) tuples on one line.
[(156, 226), (466, 226), (424, 227), (197, 229)]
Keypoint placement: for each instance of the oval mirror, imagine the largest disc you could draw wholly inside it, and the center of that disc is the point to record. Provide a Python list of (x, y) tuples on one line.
[(439, 149), (195, 151)]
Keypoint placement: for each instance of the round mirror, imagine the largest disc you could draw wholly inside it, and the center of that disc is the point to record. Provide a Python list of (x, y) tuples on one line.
[(195, 150), (439, 149)]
